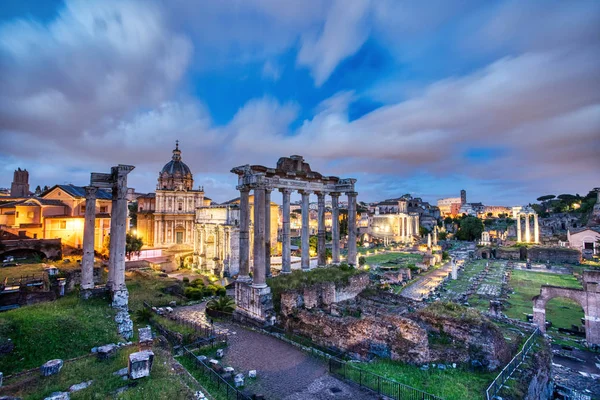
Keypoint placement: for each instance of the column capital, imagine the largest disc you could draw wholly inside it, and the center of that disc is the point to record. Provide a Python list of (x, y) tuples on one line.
[(321, 195), (286, 190), (335, 194), (305, 192), (352, 194), (90, 192), (243, 188)]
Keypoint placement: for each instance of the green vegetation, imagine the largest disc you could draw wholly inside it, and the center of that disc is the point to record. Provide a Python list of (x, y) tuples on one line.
[(300, 279), (450, 384), (223, 304), (217, 391), (393, 257), (151, 289), (470, 229), (196, 290), (133, 245), (162, 384), (446, 309), (66, 328)]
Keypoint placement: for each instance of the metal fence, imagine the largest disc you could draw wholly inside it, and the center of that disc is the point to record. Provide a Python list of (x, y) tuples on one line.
[(509, 369), (376, 383), (223, 387)]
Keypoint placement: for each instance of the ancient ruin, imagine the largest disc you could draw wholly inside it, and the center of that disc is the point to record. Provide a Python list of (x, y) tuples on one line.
[(117, 182), (526, 213), (588, 298), (253, 296)]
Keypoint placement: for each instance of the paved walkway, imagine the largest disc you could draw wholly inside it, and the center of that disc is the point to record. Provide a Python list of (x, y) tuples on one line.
[(284, 372), (426, 283)]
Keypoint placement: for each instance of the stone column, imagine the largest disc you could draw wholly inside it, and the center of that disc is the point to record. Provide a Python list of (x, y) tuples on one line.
[(244, 274), (527, 232), (322, 259), (258, 279), (409, 232), (352, 227), (416, 221), (268, 232), (305, 262), (536, 229), (335, 228), (120, 217), (435, 235), (286, 256), (519, 228), (112, 252), (87, 262)]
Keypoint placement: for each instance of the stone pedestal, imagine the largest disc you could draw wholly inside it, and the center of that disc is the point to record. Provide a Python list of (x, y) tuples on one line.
[(145, 338), (140, 364), (107, 351), (51, 367), (254, 305)]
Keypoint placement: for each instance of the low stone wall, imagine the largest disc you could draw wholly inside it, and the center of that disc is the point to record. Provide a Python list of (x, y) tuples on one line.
[(554, 254), (508, 253), (323, 294), (74, 278)]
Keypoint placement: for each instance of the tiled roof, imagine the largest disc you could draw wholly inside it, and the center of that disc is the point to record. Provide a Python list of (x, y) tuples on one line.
[(79, 191)]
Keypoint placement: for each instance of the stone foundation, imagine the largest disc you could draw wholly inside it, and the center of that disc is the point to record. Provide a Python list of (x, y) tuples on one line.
[(120, 301), (254, 305)]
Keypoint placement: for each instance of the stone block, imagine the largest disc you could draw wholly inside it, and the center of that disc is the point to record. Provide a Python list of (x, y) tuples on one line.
[(199, 395), (172, 303), (80, 386), (220, 353), (140, 364), (212, 361), (121, 372), (228, 369), (106, 351), (252, 373), (51, 367), (202, 358), (169, 310), (58, 396), (146, 340), (238, 380)]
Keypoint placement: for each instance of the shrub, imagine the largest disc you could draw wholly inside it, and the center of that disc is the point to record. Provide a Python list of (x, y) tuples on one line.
[(224, 304), (193, 293), (143, 315), (198, 283), (186, 280), (209, 290)]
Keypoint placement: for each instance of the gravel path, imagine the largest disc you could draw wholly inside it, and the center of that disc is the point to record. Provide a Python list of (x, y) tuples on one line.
[(283, 371), (427, 283)]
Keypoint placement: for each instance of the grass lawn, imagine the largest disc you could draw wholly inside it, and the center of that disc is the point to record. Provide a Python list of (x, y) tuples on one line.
[(163, 383), (218, 392), (526, 284), (65, 328), (150, 289), (450, 384), (387, 257)]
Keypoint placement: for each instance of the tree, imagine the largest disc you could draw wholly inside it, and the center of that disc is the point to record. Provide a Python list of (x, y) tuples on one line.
[(133, 245), (448, 220), (546, 197), (423, 231), (443, 235), (470, 229), (38, 190), (133, 208)]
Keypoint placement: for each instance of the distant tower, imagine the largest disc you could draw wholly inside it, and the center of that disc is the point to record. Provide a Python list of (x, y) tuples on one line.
[(20, 184), (463, 197)]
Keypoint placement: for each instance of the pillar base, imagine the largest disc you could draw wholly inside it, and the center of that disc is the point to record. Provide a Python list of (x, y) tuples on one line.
[(244, 279), (254, 304)]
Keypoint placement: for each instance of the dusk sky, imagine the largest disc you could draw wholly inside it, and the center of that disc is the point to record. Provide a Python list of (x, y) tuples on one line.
[(501, 98)]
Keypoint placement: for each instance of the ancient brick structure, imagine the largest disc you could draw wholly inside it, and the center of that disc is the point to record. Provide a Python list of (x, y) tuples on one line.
[(588, 298)]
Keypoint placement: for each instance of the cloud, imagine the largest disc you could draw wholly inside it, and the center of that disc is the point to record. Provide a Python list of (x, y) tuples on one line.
[(271, 71), (93, 64)]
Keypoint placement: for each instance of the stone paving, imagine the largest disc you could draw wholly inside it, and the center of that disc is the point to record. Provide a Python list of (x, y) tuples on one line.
[(283, 371), (426, 283)]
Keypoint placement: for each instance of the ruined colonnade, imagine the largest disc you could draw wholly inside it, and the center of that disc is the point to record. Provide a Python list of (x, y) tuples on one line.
[(536, 229)]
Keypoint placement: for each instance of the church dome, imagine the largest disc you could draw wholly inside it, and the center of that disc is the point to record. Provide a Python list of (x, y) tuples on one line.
[(175, 174)]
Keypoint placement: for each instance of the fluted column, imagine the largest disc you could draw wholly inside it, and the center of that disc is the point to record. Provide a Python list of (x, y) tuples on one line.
[(244, 274), (352, 228), (87, 262), (305, 262), (286, 256), (258, 272), (519, 228), (335, 228), (527, 230), (322, 258), (268, 232), (536, 229)]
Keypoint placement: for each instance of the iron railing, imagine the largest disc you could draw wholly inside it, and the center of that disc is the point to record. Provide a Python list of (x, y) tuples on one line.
[(509, 369), (223, 387), (376, 383)]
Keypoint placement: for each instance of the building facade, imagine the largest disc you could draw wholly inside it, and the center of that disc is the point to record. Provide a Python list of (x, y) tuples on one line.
[(166, 217)]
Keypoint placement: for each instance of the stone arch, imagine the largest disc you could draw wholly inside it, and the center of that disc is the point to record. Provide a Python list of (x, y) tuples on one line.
[(588, 298)]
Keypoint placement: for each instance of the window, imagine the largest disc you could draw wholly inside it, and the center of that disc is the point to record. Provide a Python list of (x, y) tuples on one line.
[(82, 208), (103, 209), (17, 214), (180, 206), (35, 235), (63, 224)]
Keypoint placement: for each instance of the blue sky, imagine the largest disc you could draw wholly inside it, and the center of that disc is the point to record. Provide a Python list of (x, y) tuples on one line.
[(499, 98)]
